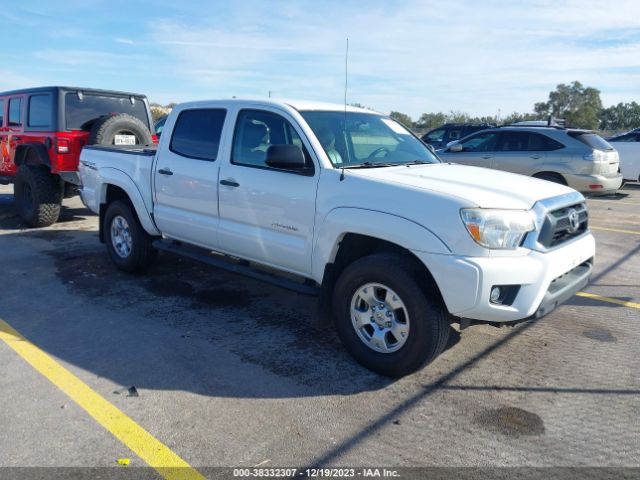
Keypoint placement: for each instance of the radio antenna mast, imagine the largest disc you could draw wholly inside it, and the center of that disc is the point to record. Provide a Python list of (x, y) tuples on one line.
[(346, 77)]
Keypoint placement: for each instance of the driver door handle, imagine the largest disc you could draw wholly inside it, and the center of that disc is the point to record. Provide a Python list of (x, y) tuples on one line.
[(486, 157), (229, 183), (536, 157), (165, 171)]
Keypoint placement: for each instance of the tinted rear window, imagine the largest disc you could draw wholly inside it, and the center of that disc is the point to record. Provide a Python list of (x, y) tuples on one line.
[(196, 133), (592, 140), (39, 111), (80, 113), (15, 112)]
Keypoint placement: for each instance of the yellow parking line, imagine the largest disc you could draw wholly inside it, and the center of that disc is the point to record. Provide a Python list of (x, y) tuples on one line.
[(593, 296), (146, 446), (617, 230)]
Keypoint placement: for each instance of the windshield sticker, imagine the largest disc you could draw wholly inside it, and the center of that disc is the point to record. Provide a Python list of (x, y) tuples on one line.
[(395, 126)]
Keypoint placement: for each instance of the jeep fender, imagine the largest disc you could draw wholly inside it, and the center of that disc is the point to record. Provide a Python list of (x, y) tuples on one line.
[(384, 226), (115, 177), (41, 156)]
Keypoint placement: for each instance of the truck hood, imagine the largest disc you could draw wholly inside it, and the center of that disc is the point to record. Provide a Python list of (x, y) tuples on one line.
[(483, 187)]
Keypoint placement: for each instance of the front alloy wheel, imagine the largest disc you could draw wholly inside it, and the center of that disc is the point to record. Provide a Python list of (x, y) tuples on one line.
[(380, 318)]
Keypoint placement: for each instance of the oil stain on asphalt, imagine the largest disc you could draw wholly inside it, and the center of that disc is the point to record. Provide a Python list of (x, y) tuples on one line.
[(600, 336), (511, 421)]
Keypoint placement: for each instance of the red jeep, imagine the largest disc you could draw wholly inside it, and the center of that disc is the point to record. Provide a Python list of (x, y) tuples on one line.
[(42, 131)]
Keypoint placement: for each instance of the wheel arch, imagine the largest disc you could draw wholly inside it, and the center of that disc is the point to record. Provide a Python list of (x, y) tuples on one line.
[(348, 234), (551, 173), (118, 186), (34, 154)]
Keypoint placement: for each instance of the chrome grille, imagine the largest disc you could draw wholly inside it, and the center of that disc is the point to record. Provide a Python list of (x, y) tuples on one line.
[(557, 227)]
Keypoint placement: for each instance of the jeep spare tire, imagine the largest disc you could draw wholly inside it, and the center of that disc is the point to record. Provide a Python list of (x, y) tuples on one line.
[(120, 129)]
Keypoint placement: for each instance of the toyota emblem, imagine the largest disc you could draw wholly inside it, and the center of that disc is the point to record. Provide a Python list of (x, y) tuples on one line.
[(574, 221)]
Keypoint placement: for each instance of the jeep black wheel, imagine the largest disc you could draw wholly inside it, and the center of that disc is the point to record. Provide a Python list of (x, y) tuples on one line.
[(38, 196)]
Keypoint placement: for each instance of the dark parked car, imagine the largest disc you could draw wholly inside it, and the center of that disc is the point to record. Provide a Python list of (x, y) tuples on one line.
[(439, 137)]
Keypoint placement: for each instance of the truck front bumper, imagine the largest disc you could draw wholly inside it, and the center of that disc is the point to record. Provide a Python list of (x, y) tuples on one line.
[(542, 280)]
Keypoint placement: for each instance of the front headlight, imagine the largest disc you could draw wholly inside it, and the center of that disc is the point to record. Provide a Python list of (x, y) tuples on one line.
[(502, 229)]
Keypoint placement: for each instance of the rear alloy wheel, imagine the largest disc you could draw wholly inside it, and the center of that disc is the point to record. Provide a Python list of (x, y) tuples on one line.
[(128, 244), (385, 319)]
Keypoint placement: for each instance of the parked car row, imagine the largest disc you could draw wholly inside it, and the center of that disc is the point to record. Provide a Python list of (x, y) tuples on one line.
[(578, 158)]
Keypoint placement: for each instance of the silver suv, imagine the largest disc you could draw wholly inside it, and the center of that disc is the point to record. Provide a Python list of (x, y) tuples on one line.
[(580, 159)]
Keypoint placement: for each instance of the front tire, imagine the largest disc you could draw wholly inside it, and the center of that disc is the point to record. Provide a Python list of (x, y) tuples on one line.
[(385, 319), (128, 244), (38, 196)]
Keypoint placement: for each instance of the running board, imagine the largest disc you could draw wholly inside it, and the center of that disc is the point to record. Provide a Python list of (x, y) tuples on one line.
[(242, 267)]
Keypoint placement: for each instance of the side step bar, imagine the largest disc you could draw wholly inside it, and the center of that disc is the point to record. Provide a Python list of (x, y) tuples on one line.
[(241, 267)]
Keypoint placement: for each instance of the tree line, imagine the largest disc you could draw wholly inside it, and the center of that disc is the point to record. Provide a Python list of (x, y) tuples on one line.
[(579, 106)]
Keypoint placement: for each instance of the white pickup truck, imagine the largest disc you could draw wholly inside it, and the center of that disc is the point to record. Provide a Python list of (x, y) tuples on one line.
[(347, 203)]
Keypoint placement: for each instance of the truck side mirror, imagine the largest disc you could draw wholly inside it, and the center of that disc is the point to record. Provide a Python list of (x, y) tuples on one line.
[(455, 147), (286, 157)]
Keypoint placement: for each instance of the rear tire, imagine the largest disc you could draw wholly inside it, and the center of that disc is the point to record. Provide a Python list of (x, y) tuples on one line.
[(105, 129), (38, 196), (551, 177), (404, 307), (128, 244)]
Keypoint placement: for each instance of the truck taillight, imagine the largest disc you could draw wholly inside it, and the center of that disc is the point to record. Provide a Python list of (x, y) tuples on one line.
[(154, 139), (64, 146)]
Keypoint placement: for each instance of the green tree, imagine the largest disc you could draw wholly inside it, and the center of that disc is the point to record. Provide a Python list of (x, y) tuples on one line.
[(428, 121), (520, 117), (580, 106), (402, 118), (620, 117)]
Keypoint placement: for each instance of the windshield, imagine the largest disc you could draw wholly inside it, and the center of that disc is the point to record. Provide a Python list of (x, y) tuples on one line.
[(368, 140)]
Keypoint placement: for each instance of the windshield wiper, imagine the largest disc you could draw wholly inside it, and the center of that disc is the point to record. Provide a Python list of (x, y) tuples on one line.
[(371, 165), (419, 162)]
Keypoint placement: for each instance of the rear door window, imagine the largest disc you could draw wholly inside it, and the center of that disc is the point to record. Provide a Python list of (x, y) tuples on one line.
[(592, 140), (513, 142), (1, 113), (542, 143), (39, 111), (197, 133), (15, 112), (82, 109)]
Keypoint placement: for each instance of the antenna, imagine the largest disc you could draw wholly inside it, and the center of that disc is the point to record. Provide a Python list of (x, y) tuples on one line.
[(346, 77)]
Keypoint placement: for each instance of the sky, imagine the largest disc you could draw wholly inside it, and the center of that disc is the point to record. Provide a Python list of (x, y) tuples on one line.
[(408, 56)]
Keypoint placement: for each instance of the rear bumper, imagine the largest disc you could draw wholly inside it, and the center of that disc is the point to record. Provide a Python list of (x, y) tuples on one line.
[(594, 184)]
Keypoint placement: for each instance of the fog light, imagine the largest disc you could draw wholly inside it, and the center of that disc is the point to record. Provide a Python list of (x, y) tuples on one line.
[(495, 295)]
